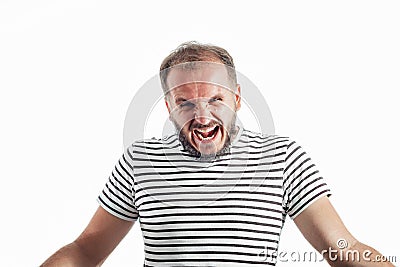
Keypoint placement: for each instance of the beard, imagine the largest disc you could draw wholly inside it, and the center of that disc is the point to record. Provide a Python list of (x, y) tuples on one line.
[(230, 133)]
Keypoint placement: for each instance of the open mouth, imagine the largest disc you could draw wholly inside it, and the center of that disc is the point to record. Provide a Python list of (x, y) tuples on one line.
[(206, 134)]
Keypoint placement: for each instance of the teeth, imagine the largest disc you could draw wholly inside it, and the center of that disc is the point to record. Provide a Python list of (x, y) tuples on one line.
[(205, 138), (198, 133), (206, 130)]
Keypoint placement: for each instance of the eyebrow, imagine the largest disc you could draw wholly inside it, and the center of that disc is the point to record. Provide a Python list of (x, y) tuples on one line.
[(180, 99), (218, 96)]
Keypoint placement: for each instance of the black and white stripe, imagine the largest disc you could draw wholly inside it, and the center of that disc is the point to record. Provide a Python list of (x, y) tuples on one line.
[(221, 212)]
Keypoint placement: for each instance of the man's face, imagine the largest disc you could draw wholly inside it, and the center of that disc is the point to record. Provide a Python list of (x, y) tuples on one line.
[(204, 113)]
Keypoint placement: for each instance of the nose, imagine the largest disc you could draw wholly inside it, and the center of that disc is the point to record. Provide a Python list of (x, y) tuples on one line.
[(202, 114)]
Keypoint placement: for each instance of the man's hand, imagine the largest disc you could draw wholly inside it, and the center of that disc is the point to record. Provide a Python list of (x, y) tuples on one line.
[(322, 227), (93, 246)]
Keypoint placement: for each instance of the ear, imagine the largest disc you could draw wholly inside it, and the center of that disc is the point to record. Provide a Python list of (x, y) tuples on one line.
[(238, 97), (167, 104)]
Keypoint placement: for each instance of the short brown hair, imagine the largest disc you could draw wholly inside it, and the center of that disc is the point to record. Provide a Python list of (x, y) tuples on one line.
[(195, 51)]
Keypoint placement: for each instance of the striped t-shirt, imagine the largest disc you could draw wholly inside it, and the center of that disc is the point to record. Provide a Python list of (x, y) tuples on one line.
[(225, 211)]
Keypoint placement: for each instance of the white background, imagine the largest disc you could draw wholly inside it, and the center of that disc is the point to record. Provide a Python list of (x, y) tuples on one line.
[(69, 69)]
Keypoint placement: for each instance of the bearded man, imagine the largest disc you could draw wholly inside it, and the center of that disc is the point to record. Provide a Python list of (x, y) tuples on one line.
[(212, 193)]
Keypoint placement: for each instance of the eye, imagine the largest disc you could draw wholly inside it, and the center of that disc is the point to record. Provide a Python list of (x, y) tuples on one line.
[(215, 99), (186, 104)]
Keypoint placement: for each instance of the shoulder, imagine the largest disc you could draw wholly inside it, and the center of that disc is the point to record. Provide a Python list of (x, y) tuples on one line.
[(166, 142), (264, 138)]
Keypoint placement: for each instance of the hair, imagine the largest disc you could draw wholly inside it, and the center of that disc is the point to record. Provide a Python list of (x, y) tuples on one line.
[(195, 51)]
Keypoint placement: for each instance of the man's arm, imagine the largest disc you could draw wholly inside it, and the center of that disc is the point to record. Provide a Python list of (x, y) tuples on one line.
[(323, 228), (93, 246)]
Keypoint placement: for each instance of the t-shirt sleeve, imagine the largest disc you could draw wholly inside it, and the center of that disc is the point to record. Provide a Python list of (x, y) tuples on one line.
[(118, 193), (302, 184)]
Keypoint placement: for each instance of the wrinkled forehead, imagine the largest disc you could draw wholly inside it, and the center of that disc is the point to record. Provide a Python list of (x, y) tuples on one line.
[(199, 73), (199, 91)]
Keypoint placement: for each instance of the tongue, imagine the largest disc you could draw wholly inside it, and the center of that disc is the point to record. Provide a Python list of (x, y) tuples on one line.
[(207, 134)]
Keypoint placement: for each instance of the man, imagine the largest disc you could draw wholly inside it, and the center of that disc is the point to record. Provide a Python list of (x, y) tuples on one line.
[(213, 194)]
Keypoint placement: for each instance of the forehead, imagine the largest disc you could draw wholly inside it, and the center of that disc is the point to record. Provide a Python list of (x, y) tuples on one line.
[(198, 73), (199, 90)]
